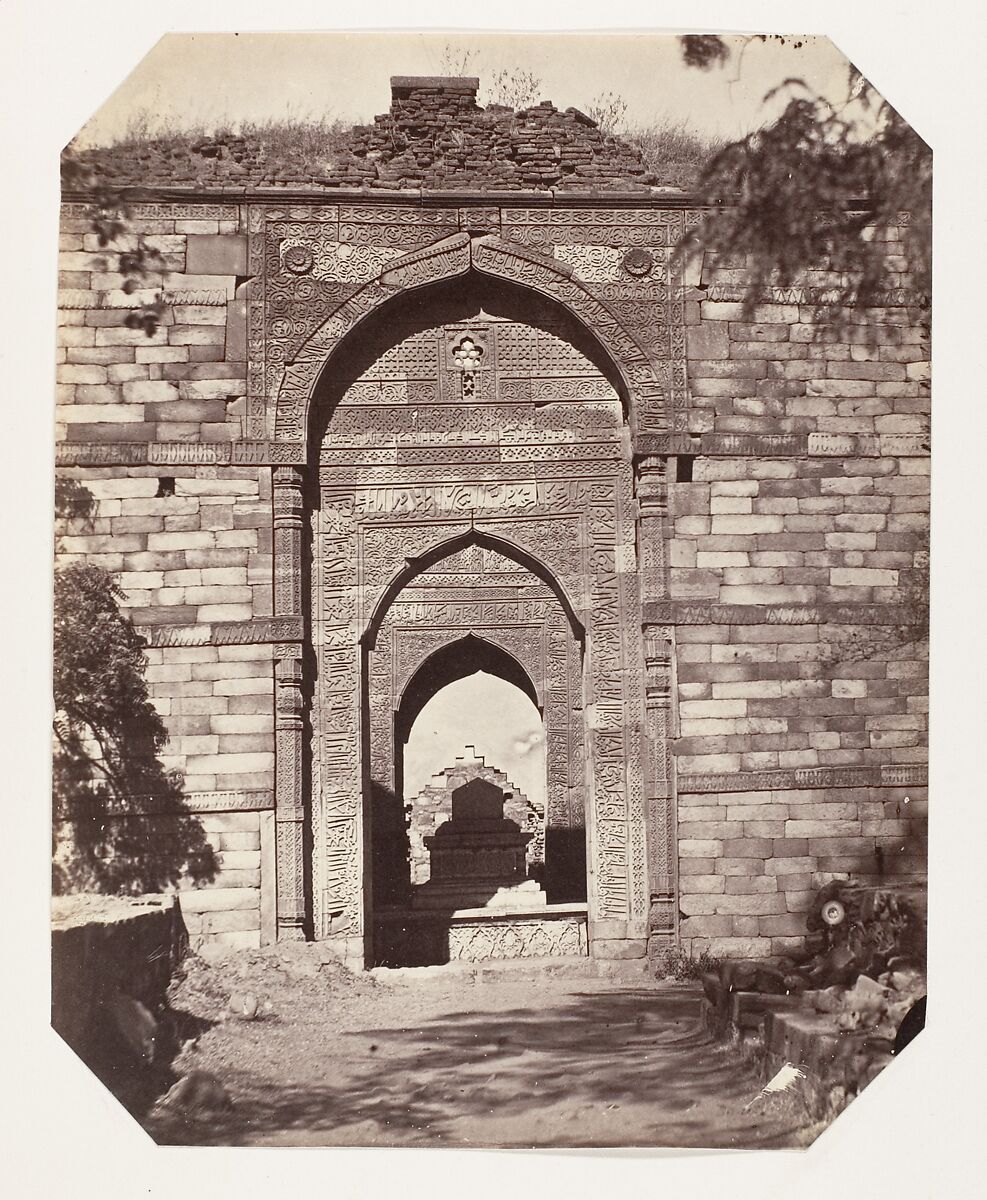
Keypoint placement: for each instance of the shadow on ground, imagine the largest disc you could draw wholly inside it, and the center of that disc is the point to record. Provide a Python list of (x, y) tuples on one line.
[(621, 1066)]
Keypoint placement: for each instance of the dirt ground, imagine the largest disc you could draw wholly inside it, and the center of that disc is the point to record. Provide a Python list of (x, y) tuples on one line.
[(437, 1058)]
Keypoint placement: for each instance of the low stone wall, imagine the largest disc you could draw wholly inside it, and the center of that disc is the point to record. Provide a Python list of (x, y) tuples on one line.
[(773, 1031), (110, 957)]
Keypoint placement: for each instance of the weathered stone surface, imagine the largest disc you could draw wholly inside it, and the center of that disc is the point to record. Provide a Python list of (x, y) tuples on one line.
[(214, 254), (475, 480)]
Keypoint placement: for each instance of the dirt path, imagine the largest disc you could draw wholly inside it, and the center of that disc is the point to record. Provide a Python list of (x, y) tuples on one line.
[(448, 1061)]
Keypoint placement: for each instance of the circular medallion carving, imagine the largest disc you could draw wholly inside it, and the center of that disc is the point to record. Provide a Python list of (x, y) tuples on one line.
[(298, 260), (638, 262)]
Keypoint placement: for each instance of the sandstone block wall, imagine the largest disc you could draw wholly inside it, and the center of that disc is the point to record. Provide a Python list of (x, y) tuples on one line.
[(186, 533), (808, 675), (796, 531), (234, 909), (184, 383)]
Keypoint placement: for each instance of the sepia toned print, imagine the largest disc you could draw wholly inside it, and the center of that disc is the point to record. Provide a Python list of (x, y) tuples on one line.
[(491, 600)]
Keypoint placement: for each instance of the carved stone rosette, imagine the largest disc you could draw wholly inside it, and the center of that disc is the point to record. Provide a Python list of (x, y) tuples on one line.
[(289, 708)]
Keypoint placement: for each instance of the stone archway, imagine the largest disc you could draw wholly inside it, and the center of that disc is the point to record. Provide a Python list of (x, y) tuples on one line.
[(534, 457), (304, 356), (527, 640)]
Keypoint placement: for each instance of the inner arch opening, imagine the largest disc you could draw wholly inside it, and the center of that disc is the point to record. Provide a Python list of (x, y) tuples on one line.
[(477, 727), (469, 711), (459, 661), (466, 298)]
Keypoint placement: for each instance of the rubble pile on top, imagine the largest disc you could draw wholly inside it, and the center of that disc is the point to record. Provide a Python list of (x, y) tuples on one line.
[(434, 136)]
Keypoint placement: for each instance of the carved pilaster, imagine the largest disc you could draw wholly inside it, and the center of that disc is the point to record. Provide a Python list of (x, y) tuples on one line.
[(288, 509), (289, 707), (662, 859), (652, 498)]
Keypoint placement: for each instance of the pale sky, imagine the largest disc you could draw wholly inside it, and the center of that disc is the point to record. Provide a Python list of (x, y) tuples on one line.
[(483, 711), (210, 79)]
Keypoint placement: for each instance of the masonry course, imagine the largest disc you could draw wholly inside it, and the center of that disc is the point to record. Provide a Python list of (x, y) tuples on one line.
[(833, 511)]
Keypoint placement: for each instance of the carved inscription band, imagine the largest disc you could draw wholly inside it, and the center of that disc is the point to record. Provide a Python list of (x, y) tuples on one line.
[(807, 777), (261, 631), (706, 445), (253, 800), (708, 612)]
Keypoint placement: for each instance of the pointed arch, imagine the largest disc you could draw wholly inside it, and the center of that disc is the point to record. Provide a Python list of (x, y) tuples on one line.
[(416, 566), (454, 660), (643, 380)]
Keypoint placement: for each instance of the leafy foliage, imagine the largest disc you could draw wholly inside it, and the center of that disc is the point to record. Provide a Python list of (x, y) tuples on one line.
[(703, 50), (73, 501), (108, 213), (825, 187), (107, 738), (684, 968)]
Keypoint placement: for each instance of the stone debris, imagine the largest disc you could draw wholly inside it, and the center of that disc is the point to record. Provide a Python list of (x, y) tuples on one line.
[(135, 1025), (199, 1093), (840, 1009), (266, 984), (247, 1007), (434, 135)]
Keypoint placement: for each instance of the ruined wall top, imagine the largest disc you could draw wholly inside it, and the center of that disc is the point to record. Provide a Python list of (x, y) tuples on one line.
[(434, 136)]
